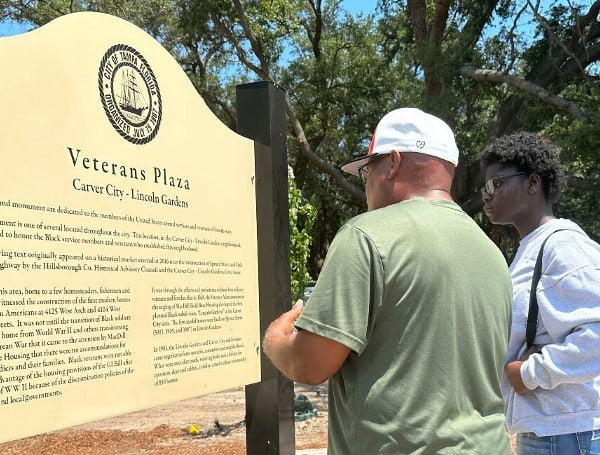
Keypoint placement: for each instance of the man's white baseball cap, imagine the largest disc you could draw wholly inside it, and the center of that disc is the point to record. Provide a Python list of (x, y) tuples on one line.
[(409, 130)]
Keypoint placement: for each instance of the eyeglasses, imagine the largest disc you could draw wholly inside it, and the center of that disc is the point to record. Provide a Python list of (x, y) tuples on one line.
[(363, 171), (494, 183)]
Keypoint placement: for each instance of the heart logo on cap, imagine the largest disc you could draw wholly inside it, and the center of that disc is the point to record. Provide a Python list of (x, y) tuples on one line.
[(420, 144)]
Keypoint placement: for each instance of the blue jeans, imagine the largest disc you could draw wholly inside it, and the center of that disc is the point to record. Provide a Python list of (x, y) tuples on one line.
[(586, 443)]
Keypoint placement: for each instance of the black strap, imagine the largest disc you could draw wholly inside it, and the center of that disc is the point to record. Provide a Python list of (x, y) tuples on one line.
[(532, 315)]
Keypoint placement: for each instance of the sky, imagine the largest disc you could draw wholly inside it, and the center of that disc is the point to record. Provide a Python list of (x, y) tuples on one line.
[(359, 6), (9, 28), (353, 6)]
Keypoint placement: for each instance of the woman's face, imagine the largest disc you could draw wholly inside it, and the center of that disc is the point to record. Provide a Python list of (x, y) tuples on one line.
[(504, 195)]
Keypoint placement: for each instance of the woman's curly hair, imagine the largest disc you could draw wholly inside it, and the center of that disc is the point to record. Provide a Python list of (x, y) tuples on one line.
[(532, 154)]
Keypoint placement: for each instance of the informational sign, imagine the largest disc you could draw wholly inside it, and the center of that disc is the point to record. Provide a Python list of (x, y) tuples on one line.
[(128, 253)]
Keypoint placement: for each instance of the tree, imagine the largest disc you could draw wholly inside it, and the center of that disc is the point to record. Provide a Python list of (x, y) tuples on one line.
[(487, 67), (508, 81)]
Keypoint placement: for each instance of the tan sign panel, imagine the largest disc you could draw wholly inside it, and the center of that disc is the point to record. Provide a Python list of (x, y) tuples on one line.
[(128, 257)]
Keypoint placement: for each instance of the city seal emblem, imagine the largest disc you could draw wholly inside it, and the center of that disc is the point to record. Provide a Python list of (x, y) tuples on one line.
[(130, 94)]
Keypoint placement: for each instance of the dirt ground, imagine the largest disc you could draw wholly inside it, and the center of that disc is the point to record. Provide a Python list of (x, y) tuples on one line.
[(165, 430)]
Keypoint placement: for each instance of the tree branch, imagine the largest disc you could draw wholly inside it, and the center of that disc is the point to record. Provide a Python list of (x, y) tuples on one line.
[(582, 183), (418, 19), (439, 22), (544, 23), (315, 39), (311, 156), (472, 30), (249, 34), (240, 52), (484, 75)]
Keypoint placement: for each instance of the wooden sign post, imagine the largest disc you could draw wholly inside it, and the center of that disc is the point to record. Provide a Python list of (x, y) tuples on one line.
[(269, 403)]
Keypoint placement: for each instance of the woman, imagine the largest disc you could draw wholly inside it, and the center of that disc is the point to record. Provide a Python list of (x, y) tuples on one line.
[(551, 391)]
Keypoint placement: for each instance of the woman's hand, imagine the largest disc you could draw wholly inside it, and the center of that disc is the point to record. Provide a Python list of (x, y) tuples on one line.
[(513, 371), (513, 374)]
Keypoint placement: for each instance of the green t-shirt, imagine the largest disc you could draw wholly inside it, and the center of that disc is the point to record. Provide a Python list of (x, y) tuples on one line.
[(422, 298)]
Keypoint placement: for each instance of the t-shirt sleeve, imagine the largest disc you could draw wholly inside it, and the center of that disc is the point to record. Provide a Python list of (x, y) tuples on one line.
[(348, 292)]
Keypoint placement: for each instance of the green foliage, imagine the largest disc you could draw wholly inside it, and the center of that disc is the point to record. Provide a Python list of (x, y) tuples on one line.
[(302, 218), (339, 86), (579, 144)]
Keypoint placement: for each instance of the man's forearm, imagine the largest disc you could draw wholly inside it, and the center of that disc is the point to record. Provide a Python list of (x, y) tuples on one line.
[(301, 355)]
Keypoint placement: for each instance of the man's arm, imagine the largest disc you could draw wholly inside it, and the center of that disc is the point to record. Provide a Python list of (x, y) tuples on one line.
[(302, 356)]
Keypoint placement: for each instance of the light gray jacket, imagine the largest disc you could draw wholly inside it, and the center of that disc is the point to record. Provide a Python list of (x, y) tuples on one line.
[(565, 376)]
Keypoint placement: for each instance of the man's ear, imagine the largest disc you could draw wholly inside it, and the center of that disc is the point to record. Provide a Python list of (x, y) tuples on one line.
[(395, 163)]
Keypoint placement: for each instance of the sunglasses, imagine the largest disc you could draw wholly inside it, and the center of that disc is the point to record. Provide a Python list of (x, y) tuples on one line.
[(363, 171), (491, 185)]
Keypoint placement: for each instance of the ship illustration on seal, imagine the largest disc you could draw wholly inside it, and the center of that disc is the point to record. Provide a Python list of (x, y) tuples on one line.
[(131, 98)]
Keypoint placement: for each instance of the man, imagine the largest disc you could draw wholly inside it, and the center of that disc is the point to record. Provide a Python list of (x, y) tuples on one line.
[(409, 319)]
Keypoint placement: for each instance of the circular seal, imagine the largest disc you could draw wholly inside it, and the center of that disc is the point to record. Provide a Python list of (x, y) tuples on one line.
[(129, 93)]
